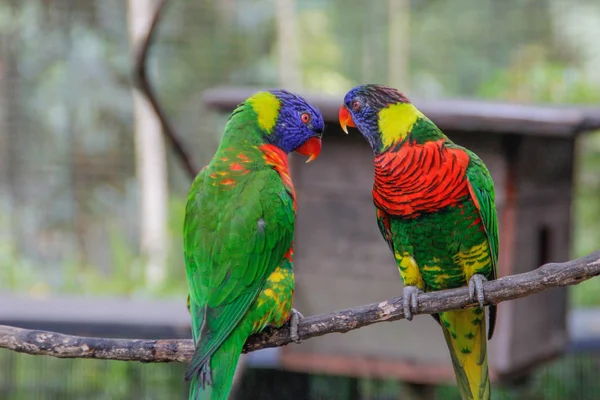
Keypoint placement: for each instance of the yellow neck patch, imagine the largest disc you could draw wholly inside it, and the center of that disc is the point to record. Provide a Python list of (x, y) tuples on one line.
[(396, 122), (266, 106)]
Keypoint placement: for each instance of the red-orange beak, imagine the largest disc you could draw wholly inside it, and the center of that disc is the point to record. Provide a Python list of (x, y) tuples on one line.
[(311, 148), (346, 119)]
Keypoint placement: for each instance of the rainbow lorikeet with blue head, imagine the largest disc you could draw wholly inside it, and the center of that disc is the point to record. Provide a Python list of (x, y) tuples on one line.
[(435, 208), (238, 234)]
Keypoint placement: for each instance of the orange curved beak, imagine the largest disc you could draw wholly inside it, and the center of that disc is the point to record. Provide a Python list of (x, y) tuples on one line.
[(311, 148), (346, 119)]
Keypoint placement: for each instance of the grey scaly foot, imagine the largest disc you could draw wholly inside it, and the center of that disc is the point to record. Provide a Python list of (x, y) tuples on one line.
[(410, 301), (294, 321), (476, 289)]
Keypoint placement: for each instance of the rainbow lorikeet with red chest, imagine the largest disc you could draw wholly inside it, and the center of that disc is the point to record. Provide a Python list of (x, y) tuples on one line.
[(435, 208), (238, 234)]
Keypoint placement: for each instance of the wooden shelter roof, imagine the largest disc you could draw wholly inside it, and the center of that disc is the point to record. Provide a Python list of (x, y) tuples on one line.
[(454, 115)]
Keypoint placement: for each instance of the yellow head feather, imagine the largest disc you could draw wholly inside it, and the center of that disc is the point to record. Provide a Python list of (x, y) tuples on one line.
[(266, 106), (396, 122)]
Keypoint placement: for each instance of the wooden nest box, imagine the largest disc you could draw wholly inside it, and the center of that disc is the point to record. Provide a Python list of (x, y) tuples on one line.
[(341, 260)]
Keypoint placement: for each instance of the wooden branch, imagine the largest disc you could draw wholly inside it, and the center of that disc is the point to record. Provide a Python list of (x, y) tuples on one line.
[(511, 287), (143, 85)]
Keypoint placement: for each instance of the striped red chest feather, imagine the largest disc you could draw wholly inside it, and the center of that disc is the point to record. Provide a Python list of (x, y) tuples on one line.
[(420, 178), (277, 158)]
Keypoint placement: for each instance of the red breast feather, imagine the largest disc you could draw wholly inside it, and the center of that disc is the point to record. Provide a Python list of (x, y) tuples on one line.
[(420, 178)]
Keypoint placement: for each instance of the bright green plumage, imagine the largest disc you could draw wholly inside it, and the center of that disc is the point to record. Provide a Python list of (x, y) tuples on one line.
[(238, 235), (449, 249), (435, 208)]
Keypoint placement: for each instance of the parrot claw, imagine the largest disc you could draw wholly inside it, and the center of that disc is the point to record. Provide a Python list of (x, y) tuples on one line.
[(294, 321), (410, 301), (205, 376), (476, 289)]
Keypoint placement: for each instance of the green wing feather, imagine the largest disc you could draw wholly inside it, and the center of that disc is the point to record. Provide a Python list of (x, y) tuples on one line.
[(231, 246), (481, 187), (482, 192)]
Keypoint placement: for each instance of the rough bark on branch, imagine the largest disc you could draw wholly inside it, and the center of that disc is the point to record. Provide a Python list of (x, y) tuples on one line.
[(143, 84), (507, 288)]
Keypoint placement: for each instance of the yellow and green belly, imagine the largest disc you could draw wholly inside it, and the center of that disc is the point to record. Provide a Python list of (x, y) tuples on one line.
[(442, 250), (274, 303)]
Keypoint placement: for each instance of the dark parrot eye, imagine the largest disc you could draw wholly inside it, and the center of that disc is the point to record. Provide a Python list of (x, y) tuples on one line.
[(355, 105), (306, 118)]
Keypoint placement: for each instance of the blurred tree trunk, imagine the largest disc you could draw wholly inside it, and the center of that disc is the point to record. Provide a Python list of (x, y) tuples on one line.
[(151, 162), (13, 138), (5, 192), (398, 44), (370, 58), (288, 47), (227, 11)]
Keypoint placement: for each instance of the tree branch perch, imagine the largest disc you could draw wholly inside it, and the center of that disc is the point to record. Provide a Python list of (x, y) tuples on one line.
[(511, 287)]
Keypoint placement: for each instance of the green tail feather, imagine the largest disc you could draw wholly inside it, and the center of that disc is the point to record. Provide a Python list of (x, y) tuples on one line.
[(222, 366), (198, 394), (465, 334)]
